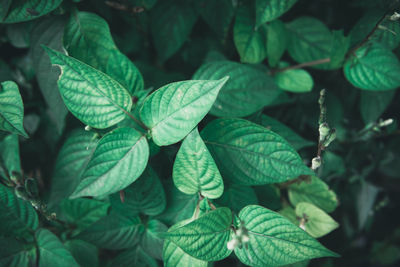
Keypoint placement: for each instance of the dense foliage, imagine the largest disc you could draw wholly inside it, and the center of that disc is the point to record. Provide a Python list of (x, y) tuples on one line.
[(199, 133)]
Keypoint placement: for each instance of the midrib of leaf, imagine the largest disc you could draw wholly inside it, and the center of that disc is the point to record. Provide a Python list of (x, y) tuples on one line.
[(372, 67)]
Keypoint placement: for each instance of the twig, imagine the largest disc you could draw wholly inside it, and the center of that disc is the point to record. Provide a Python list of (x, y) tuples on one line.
[(302, 65)]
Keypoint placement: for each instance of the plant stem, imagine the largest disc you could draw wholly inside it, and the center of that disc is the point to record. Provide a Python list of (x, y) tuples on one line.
[(302, 65)]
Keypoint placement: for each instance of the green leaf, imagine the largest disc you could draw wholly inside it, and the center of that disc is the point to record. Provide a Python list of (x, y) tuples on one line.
[(309, 40), (174, 256), (146, 196), (49, 32), (87, 38), (284, 131), (116, 231), (4, 8), (268, 10), (295, 81), (277, 39), (237, 197), (268, 196), (134, 257), (251, 42), (110, 168), (70, 164), (317, 222), (9, 155), (373, 67), (249, 154), (19, 34), (175, 109), (51, 250), (84, 253), (194, 168), (316, 192), (15, 253), (373, 104), (18, 218), (82, 212), (206, 237), (217, 14), (12, 109), (152, 241), (91, 96), (171, 24), (274, 241), (24, 10), (248, 90)]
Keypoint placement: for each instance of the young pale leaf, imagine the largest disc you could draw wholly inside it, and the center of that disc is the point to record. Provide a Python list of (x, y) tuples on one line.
[(249, 154), (91, 96), (373, 104), (18, 216), (87, 37), (194, 168), (12, 109), (295, 81), (9, 155), (51, 251), (206, 237), (49, 32), (248, 90), (373, 67), (171, 25), (87, 255), (151, 241), (250, 42), (134, 257), (175, 109), (275, 241), (70, 164), (316, 222), (146, 196), (316, 192), (277, 39), (173, 256), (268, 10), (24, 10), (111, 167), (116, 231), (15, 253), (217, 14)]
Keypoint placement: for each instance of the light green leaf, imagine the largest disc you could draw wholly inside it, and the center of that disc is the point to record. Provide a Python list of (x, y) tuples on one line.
[(134, 257), (70, 164), (91, 96), (217, 14), (249, 154), (171, 25), (110, 168), (18, 218), (268, 10), (206, 237), (373, 67), (146, 195), (87, 38), (174, 256), (289, 213), (49, 32), (152, 241), (116, 231), (175, 109), (51, 251), (194, 168), (84, 253), (316, 192), (284, 131), (373, 104), (316, 222), (24, 10), (14, 253), (12, 109), (9, 155), (277, 39), (275, 241), (251, 42), (82, 212), (295, 81), (237, 197), (248, 90)]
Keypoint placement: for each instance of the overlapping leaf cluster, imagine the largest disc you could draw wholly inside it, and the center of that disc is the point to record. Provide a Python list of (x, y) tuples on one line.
[(154, 132)]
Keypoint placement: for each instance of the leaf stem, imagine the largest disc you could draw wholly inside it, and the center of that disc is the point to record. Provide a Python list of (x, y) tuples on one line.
[(302, 65)]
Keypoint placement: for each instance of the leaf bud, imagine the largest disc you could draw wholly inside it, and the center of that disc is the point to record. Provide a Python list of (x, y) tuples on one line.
[(323, 131), (315, 163)]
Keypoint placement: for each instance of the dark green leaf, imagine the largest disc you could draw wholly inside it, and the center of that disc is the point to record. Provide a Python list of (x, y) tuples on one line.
[(84, 253), (373, 104), (217, 14), (23, 10), (268, 10), (134, 257), (277, 39), (152, 241), (14, 253), (237, 197), (9, 155)]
